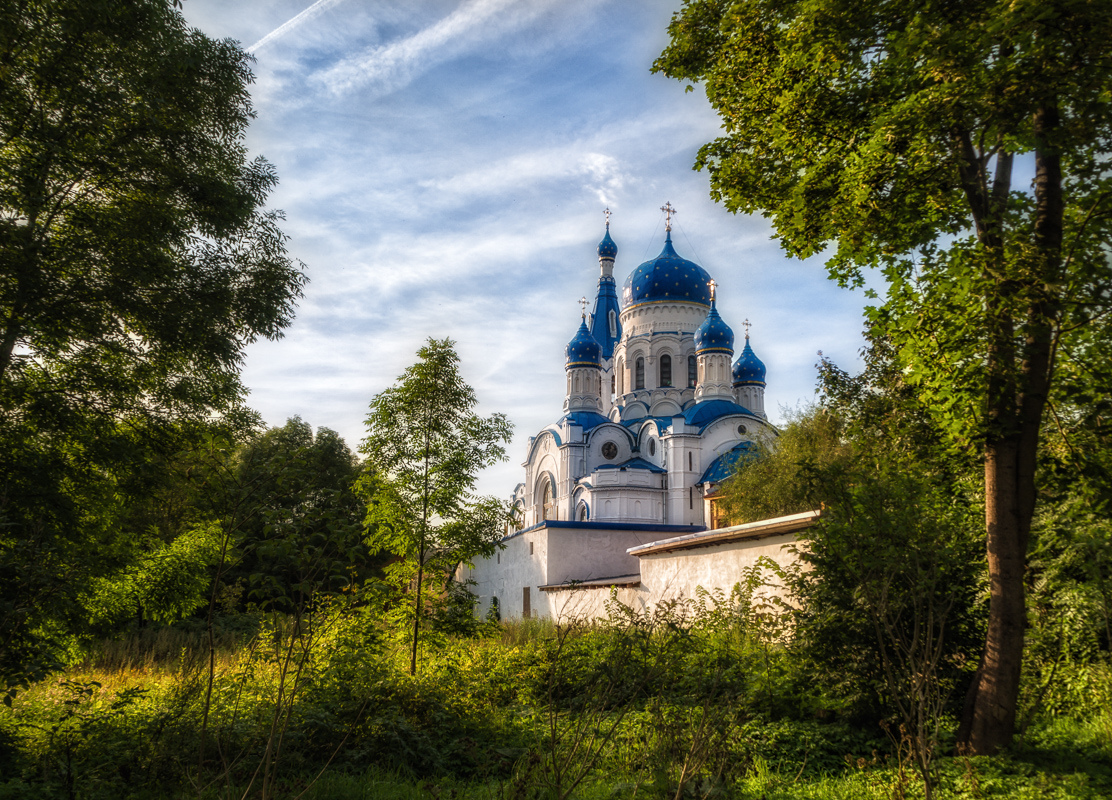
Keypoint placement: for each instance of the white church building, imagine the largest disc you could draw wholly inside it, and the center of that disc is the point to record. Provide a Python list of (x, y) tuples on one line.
[(655, 415)]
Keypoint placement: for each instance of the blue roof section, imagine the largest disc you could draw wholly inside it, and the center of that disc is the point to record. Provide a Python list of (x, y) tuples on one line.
[(723, 466), (714, 335), (678, 530), (606, 301), (667, 278), (748, 369), (585, 419), (703, 414), (661, 422), (583, 350), (634, 463)]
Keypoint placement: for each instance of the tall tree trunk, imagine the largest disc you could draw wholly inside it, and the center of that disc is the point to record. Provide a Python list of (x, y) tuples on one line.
[(416, 617), (990, 719), (1015, 417), (422, 550)]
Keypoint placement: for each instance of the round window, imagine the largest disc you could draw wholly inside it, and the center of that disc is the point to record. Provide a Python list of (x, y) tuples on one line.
[(609, 450), (741, 429), (652, 447)]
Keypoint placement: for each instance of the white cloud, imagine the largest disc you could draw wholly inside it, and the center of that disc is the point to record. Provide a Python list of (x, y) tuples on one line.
[(389, 67)]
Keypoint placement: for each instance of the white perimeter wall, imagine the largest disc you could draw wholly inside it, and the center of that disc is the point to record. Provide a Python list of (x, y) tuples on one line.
[(677, 574), (557, 555)]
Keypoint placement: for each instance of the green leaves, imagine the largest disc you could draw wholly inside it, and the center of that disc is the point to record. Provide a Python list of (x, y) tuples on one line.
[(136, 264), (424, 449)]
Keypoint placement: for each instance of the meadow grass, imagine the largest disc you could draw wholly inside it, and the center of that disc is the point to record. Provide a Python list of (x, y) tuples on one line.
[(124, 723)]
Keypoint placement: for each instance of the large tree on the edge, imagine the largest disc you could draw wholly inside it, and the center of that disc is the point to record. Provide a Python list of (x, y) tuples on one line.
[(898, 132), (136, 263)]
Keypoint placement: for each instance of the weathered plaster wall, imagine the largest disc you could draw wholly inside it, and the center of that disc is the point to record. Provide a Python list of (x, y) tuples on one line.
[(587, 554), (676, 574), (520, 564)]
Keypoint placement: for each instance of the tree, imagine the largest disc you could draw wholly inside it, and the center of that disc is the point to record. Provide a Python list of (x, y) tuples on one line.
[(136, 264), (424, 448), (891, 131), (307, 536), (888, 614), (774, 482)]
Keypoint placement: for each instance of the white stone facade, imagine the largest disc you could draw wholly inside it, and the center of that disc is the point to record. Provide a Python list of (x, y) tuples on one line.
[(654, 417)]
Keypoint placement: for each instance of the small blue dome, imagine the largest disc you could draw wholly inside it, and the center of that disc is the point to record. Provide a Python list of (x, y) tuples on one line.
[(667, 278), (584, 350), (607, 248), (714, 335), (748, 369)]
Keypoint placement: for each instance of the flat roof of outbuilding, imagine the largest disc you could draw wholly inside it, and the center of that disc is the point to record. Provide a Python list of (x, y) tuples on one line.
[(735, 533)]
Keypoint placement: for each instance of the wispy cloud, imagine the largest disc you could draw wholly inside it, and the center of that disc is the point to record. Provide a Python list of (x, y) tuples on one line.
[(296, 22), (600, 172), (391, 66)]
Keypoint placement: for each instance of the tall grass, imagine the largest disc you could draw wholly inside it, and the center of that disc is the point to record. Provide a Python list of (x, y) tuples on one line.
[(518, 632), (165, 649)]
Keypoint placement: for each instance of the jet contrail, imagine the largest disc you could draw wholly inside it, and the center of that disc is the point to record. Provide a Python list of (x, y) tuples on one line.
[(286, 27), (394, 63)]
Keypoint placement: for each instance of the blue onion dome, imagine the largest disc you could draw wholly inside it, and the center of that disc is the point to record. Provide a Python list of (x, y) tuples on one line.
[(714, 335), (607, 248), (748, 369), (583, 350), (668, 278)]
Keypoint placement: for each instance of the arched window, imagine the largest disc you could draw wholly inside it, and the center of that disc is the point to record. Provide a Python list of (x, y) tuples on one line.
[(639, 374), (692, 372), (665, 370), (613, 384), (548, 500), (582, 515), (613, 324)]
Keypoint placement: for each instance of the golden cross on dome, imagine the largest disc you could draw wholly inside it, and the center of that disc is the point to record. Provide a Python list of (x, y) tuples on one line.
[(668, 212), (606, 213), (712, 286), (746, 326), (583, 306)]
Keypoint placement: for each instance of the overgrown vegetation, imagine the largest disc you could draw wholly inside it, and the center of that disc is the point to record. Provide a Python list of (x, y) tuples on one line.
[(703, 698)]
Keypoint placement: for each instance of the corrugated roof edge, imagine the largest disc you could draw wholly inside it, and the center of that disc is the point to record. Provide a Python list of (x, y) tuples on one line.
[(597, 583), (750, 530)]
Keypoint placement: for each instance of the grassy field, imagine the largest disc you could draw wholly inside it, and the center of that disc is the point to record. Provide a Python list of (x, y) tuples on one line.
[(524, 711)]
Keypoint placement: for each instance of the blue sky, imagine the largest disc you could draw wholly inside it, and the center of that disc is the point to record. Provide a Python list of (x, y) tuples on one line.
[(444, 167)]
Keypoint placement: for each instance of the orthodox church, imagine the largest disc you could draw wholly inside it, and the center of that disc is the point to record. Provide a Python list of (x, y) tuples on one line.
[(655, 415)]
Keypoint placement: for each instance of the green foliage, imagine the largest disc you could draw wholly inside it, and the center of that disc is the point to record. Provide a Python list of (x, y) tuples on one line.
[(775, 482), (690, 701), (424, 448), (303, 530), (890, 589), (136, 264), (886, 135), (168, 583), (1070, 610)]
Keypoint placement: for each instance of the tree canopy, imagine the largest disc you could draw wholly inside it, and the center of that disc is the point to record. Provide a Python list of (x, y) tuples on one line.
[(895, 134), (137, 261)]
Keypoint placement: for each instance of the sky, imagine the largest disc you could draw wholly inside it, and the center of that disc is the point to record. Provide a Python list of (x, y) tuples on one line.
[(444, 166)]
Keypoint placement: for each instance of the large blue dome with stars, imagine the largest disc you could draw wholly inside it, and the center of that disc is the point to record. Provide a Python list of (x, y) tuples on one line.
[(668, 278), (714, 335), (583, 350)]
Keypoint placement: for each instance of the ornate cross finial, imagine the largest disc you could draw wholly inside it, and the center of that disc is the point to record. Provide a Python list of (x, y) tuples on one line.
[(668, 212), (583, 306), (746, 326), (606, 213), (712, 286)]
